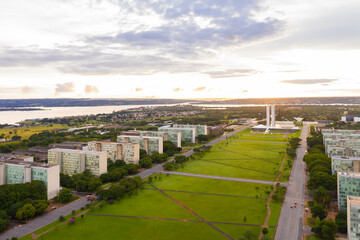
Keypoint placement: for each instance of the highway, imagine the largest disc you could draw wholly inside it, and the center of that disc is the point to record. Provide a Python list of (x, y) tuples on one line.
[(290, 225)]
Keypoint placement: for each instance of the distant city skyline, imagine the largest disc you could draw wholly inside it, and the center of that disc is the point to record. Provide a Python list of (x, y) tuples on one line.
[(179, 49)]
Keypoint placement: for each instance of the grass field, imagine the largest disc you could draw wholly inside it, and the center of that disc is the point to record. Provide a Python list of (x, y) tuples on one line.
[(99, 227), (251, 160), (26, 132), (239, 206)]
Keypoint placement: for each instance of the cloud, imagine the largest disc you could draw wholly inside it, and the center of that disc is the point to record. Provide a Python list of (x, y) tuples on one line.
[(27, 89), (308, 81), (194, 26), (199, 89), (182, 40), (64, 88), (178, 89), (139, 90), (230, 73), (288, 71), (91, 89), (93, 60)]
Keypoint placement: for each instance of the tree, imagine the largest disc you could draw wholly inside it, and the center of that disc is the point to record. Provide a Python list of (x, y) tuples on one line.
[(120, 163), (321, 196), (146, 162), (318, 211), (322, 179), (169, 148), (131, 168), (66, 181), (202, 138), (180, 159), (4, 223), (168, 166), (93, 184), (40, 206), (64, 196), (26, 212), (14, 208), (61, 218), (4, 220), (248, 236), (265, 231), (328, 229), (341, 222)]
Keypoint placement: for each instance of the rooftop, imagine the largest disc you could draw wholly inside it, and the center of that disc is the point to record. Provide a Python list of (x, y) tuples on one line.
[(76, 151), (131, 136), (350, 158), (349, 174), (27, 164)]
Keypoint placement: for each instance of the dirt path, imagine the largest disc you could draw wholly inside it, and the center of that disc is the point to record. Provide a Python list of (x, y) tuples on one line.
[(270, 197)]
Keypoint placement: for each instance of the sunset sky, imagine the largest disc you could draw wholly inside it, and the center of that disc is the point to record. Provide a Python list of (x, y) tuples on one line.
[(179, 49)]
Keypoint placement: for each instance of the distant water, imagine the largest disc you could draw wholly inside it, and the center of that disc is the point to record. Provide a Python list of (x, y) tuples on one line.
[(11, 117)]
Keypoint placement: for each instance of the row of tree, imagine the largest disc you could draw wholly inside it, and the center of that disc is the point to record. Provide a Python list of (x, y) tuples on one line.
[(126, 186), (322, 183)]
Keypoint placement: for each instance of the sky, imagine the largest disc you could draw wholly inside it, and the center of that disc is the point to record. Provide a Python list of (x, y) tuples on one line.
[(179, 48)]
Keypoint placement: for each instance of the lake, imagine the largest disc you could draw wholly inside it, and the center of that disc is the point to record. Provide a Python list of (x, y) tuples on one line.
[(11, 117)]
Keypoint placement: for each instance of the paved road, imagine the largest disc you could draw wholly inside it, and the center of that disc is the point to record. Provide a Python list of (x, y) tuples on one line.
[(44, 220), (290, 225), (223, 178)]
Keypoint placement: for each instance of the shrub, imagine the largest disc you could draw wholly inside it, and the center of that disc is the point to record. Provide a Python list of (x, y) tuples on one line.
[(61, 218)]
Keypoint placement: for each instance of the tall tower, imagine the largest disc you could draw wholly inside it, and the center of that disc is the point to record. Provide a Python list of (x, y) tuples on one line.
[(267, 115), (273, 115)]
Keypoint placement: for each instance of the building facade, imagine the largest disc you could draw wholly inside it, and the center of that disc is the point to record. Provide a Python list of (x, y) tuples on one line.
[(199, 129), (353, 217), (343, 151), (338, 136), (77, 161), (340, 143), (348, 184), (129, 152), (345, 164), (174, 137), (18, 172), (149, 144), (342, 131), (188, 135)]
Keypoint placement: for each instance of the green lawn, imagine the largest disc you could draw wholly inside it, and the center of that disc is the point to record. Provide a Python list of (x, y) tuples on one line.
[(235, 231), (259, 161), (204, 185), (26, 132), (98, 227), (296, 134), (147, 203), (224, 209), (275, 208)]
